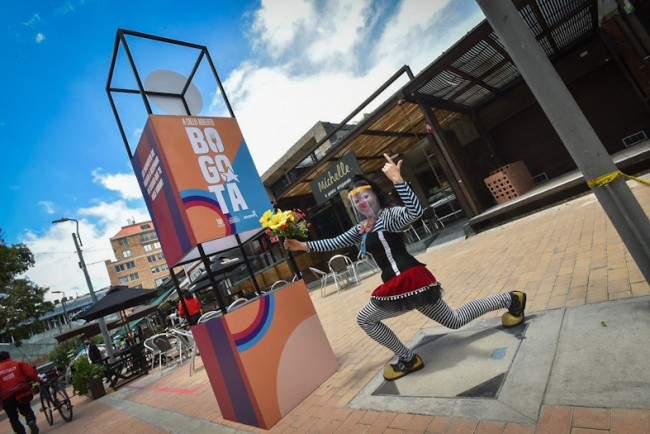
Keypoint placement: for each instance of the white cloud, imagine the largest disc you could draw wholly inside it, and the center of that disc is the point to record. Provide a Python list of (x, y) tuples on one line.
[(33, 20), (49, 206), (125, 184), (137, 132), (318, 61), (54, 251), (39, 38), (65, 8), (318, 31)]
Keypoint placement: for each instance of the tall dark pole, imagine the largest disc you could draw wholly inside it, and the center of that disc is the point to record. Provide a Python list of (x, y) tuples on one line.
[(102, 325), (572, 126), (82, 264)]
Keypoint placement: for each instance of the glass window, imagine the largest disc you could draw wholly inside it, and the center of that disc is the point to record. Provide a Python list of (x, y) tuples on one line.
[(160, 281), (119, 268), (155, 270), (148, 237), (124, 280), (134, 276), (148, 248), (156, 245), (151, 258), (161, 256), (123, 241), (130, 265), (137, 287), (164, 267), (126, 253)]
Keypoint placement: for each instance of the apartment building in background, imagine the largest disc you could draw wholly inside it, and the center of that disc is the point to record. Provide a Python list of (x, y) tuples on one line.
[(140, 261)]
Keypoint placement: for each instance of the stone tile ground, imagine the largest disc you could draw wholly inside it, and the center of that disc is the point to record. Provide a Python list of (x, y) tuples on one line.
[(566, 255)]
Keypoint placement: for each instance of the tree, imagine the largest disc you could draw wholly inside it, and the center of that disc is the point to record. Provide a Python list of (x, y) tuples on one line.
[(22, 302), (60, 354)]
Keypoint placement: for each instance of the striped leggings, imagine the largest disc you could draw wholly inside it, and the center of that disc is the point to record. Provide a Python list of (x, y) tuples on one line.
[(371, 316)]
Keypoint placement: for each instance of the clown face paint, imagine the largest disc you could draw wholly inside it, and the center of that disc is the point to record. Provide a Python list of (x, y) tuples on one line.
[(364, 203)]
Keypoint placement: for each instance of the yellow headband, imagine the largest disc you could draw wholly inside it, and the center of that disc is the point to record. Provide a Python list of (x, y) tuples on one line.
[(358, 189)]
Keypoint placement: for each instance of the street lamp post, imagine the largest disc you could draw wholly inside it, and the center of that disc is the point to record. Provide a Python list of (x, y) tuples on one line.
[(65, 313), (82, 264), (66, 320)]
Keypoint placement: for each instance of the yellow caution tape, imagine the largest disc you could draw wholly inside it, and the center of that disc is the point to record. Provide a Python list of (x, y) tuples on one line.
[(611, 177)]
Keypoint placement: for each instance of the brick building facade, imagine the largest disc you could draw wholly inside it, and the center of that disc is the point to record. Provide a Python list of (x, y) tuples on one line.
[(140, 261)]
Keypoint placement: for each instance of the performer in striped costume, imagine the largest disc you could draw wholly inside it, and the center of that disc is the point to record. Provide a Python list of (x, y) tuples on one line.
[(408, 284)]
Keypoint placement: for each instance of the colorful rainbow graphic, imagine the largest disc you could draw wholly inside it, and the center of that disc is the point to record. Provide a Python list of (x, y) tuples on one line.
[(206, 199), (255, 332)]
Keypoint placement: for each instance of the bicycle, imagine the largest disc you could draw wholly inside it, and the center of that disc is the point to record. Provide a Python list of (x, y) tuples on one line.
[(54, 397)]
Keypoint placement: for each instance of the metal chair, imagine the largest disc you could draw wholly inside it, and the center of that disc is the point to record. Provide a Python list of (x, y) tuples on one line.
[(235, 303), (188, 343), (322, 276), (208, 316), (279, 283), (407, 230), (367, 259), (429, 217), (343, 271), (161, 346)]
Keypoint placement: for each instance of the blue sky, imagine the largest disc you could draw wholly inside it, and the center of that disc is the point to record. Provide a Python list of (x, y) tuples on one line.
[(285, 65)]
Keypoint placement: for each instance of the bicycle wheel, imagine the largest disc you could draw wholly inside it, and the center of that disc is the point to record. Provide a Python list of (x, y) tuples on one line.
[(63, 404), (46, 406)]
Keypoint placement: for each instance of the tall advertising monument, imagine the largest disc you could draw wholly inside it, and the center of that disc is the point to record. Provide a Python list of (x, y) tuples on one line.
[(205, 196)]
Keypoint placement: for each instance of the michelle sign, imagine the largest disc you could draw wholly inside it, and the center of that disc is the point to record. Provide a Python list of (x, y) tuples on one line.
[(198, 180), (335, 179)]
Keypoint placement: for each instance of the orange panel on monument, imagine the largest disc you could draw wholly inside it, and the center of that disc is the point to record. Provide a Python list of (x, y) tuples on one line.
[(265, 357)]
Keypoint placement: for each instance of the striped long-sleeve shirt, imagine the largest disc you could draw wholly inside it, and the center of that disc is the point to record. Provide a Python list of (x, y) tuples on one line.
[(384, 241)]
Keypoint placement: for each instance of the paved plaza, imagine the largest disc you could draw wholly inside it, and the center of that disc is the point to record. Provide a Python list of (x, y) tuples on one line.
[(578, 364)]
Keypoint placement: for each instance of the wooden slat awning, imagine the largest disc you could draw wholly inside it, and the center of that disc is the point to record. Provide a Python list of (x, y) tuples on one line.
[(468, 76)]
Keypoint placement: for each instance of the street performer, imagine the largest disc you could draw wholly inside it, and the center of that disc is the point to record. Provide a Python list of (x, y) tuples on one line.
[(408, 284), (15, 392)]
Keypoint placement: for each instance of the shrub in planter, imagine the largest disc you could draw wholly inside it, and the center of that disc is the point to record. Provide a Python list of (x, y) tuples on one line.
[(84, 372)]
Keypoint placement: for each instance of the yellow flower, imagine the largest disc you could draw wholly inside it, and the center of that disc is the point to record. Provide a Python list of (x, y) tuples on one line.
[(265, 219), (275, 221)]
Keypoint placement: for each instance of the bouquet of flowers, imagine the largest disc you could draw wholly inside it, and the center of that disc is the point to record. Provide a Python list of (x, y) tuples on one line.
[(289, 224)]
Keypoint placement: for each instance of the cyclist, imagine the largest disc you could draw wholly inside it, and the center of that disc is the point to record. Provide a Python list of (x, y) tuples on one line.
[(15, 392)]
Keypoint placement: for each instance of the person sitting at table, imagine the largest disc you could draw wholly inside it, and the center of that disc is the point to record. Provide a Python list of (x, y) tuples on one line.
[(94, 354), (193, 306)]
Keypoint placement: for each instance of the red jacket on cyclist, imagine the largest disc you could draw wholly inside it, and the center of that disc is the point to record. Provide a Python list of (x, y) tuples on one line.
[(15, 392)]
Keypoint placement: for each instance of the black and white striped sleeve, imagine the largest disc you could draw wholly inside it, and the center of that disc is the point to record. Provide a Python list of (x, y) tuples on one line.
[(398, 217), (346, 239)]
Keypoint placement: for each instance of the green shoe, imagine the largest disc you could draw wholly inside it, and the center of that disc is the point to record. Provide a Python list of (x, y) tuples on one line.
[(402, 368), (515, 314)]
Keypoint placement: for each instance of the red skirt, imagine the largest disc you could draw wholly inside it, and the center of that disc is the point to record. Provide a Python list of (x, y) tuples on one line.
[(412, 288)]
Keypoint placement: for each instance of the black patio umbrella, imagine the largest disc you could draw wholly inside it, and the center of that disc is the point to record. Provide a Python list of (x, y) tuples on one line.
[(117, 299), (87, 330), (223, 265)]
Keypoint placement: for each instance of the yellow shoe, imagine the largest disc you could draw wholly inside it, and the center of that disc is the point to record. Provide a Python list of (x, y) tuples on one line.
[(402, 368), (515, 314)]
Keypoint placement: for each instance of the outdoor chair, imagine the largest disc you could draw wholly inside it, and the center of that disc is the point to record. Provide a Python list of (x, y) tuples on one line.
[(343, 271), (165, 348), (322, 276), (278, 284), (408, 229), (430, 220), (188, 344), (236, 303), (208, 316), (365, 259)]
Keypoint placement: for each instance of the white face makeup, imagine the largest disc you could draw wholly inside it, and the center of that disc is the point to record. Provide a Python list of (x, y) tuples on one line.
[(364, 203)]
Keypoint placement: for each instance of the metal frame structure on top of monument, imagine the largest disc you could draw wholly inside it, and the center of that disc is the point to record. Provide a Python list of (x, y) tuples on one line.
[(120, 39)]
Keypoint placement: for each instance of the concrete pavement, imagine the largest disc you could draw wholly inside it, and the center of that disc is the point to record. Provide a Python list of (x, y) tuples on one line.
[(580, 369)]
